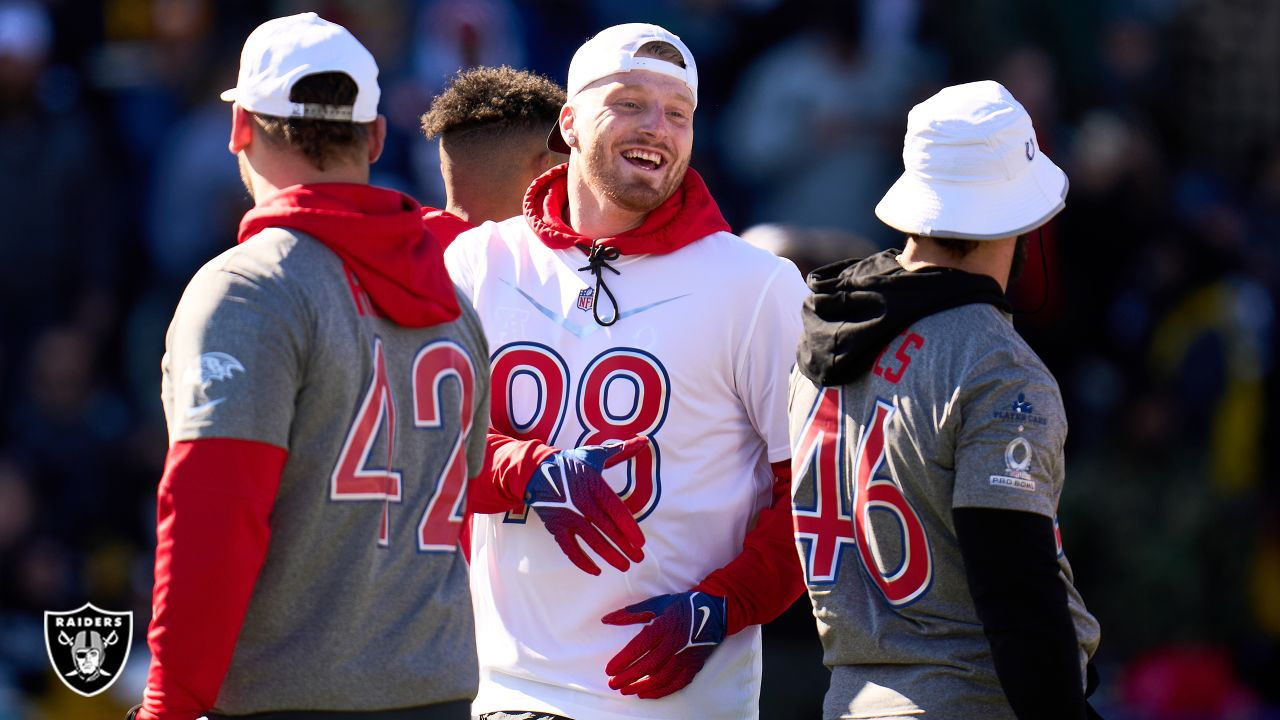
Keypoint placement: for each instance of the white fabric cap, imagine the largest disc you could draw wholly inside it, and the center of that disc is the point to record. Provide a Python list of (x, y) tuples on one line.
[(974, 170), (282, 51), (613, 50)]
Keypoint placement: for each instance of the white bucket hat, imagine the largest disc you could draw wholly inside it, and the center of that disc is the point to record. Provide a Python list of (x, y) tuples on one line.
[(613, 50), (974, 170), (282, 51)]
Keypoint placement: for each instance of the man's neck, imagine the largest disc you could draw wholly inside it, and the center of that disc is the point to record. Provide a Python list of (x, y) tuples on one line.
[(595, 216), (477, 205), (272, 174), (992, 258)]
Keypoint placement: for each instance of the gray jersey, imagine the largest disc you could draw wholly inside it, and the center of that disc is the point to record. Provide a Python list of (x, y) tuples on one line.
[(957, 411), (362, 602)]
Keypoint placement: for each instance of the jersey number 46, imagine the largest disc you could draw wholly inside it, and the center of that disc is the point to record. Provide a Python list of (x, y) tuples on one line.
[(839, 516)]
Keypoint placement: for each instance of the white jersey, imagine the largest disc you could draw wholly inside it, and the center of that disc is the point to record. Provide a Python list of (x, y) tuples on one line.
[(698, 361)]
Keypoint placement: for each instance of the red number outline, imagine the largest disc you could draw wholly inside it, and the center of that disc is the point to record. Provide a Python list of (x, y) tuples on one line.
[(911, 579), (436, 362), (352, 480), (821, 534), (840, 515), (550, 374)]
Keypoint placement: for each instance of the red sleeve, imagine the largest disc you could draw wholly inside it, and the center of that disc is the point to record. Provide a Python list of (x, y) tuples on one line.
[(766, 577), (212, 528), (511, 463)]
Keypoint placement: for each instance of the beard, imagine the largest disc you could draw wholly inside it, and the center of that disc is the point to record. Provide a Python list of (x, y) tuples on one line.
[(626, 190), (244, 174)]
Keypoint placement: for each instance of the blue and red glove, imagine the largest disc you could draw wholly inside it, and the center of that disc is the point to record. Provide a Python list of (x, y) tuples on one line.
[(574, 502), (683, 630)]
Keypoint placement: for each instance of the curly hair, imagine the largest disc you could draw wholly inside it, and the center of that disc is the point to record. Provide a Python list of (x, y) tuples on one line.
[(321, 141), (488, 100)]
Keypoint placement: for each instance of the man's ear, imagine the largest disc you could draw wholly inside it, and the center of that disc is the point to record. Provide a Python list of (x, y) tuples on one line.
[(377, 138), (566, 124), (241, 129)]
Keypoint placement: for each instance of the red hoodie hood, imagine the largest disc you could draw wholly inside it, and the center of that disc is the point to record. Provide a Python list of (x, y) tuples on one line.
[(689, 214), (444, 225), (379, 235)]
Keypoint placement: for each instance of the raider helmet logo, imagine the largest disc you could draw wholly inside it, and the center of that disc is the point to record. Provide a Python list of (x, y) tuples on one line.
[(88, 647)]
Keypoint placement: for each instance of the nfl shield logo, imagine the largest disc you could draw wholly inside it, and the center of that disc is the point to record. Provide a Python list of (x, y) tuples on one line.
[(88, 646), (586, 299)]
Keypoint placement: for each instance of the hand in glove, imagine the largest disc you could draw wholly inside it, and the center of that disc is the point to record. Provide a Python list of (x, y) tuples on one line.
[(574, 502), (683, 629)]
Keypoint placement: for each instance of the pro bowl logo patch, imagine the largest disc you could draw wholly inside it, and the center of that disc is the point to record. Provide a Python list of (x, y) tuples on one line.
[(88, 647), (1017, 461), (586, 299)]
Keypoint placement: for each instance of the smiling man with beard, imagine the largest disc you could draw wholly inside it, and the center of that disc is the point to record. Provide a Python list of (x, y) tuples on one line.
[(622, 310)]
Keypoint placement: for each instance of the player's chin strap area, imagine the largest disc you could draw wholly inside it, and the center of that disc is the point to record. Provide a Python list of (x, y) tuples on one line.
[(598, 259)]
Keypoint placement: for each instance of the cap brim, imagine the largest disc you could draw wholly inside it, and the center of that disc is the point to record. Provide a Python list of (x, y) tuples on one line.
[(975, 211), (555, 141)]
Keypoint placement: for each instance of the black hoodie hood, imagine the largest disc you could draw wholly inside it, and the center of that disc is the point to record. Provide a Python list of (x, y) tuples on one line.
[(858, 306)]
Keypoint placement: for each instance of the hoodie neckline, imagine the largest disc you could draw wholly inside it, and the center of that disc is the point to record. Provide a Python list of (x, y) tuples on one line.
[(690, 214), (380, 237), (858, 306)]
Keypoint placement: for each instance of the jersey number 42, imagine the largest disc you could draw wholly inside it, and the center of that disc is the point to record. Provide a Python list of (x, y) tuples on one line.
[(354, 480)]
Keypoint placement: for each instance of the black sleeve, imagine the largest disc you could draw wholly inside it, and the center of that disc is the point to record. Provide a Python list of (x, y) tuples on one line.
[(1011, 560)]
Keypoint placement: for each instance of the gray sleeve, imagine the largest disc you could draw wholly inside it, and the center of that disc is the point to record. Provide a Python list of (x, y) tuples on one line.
[(233, 356), (1010, 442), (476, 442)]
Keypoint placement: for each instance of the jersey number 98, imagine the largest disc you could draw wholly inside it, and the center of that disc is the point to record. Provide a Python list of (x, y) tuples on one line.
[(543, 403)]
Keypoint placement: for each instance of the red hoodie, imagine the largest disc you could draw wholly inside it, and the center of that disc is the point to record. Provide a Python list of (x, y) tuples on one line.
[(379, 235), (689, 214), (444, 225)]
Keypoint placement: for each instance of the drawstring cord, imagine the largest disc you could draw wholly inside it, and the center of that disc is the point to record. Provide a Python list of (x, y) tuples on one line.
[(598, 259)]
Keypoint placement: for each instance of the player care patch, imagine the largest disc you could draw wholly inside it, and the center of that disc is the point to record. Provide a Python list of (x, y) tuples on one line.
[(1012, 482), (1020, 411)]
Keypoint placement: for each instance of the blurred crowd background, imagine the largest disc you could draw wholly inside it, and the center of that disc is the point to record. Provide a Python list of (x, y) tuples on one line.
[(1152, 297)]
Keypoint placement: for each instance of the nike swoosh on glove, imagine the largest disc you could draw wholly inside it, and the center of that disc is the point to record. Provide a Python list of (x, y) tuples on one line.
[(683, 630), (574, 502)]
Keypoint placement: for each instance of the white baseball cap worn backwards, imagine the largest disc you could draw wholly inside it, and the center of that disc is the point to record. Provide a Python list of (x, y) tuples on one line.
[(613, 50), (974, 170), (282, 51)]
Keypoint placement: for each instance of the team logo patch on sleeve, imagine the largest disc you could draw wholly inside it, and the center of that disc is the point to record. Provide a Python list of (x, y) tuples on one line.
[(200, 376), (209, 367), (88, 646)]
